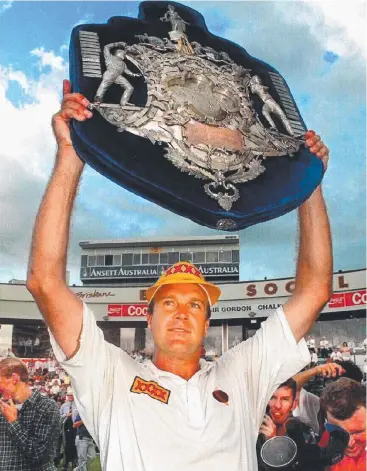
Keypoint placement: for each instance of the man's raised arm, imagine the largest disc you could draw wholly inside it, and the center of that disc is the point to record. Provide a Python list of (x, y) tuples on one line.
[(46, 281), (315, 264)]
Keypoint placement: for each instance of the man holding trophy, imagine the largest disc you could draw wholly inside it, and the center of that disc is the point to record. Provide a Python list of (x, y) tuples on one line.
[(174, 412)]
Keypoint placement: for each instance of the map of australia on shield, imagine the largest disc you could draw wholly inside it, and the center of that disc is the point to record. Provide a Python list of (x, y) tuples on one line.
[(189, 120)]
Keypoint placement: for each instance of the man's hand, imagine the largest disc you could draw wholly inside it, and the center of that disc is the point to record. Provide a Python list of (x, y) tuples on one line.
[(317, 147), (73, 106), (330, 370), (268, 428), (9, 411)]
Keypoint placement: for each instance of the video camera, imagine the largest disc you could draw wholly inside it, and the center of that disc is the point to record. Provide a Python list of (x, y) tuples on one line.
[(295, 452)]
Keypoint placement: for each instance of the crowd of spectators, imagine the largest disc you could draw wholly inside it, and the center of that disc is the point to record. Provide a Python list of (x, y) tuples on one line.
[(304, 399)]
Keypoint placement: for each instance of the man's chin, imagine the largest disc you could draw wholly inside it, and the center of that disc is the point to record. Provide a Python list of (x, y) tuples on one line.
[(354, 452)]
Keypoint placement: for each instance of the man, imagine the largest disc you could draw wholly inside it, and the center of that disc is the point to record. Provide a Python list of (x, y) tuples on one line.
[(279, 412), (308, 408), (172, 412), (68, 432), (344, 402), (280, 408), (29, 423), (84, 444)]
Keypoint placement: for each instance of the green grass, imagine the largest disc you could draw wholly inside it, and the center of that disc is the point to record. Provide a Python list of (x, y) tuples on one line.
[(92, 466)]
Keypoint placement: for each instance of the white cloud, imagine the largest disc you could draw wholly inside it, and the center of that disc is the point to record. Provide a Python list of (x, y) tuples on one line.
[(5, 6), (339, 26), (48, 58)]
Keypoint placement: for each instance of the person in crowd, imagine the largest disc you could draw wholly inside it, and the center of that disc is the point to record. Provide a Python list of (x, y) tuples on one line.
[(279, 412), (336, 355), (308, 404), (344, 403), (68, 432), (308, 408), (314, 357), (345, 351), (29, 423), (85, 446), (9, 353), (131, 409)]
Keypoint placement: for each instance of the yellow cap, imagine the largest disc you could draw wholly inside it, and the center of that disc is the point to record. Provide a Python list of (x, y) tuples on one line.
[(184, 272)]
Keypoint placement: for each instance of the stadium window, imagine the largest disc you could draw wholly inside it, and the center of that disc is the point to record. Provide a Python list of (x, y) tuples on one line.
[(211, 257), (91, 260), (145, 259), (163, 258), (84, 261), (127, 259), (100, 260), (225, 255), (186, 257), (235, 256), (153, 258), (116, 260), (136, 259), (173, 257), (199, 257)]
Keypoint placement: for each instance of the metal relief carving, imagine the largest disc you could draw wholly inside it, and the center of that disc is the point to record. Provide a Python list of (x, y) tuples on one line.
[(194, 88)]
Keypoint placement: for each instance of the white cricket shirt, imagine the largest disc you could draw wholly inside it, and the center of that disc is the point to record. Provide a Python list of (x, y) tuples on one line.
[(145, 419)]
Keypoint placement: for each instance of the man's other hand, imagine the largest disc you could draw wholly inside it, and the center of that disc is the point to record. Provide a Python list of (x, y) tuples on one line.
[(330, 370), (73, 106), (9, 411), (317, 147), (268, 428)]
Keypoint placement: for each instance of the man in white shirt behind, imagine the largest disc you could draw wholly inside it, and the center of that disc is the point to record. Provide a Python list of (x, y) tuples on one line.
[(174, 412)]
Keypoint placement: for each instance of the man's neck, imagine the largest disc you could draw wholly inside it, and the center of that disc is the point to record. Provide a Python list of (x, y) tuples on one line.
[(281, 430), (183, 367)]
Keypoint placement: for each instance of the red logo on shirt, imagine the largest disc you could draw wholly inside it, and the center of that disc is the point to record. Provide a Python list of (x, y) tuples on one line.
[(151, 388)]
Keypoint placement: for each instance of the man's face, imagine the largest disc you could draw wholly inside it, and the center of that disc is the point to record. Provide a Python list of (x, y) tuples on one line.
[(356, 427), (281, 405), (179, 322), (7, 387)]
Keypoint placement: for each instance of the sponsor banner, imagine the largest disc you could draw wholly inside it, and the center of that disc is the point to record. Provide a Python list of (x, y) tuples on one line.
[(154, 271), (342, 300), (348, 301)]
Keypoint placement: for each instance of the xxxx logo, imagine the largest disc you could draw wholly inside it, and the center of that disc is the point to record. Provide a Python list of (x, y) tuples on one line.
[(151, 388)]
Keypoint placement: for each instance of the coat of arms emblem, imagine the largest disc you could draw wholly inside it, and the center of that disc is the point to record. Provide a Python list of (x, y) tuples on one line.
[(202, 120)]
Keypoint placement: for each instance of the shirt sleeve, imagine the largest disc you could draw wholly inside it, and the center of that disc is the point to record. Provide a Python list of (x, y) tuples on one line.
[(266, 360), (35, 445), (91, 371)]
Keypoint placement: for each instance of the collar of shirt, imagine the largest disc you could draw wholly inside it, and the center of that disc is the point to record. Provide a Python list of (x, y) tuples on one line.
[(205, 367)]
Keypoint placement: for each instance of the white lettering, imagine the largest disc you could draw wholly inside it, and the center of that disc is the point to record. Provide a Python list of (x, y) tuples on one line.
[(359, 298)]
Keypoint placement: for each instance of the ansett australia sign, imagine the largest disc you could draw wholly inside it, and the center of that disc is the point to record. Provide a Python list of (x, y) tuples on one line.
[(154, 271)]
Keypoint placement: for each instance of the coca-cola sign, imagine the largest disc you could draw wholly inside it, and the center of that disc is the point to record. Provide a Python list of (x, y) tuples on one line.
[(127, 310)]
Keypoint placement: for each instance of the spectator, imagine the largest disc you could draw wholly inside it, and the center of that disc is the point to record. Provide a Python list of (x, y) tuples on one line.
[(344, 402), (308, 404), (308, 409), (336, 354), (29, 423), (68, 431), (345, 351), (314, 357), (10, 353), (86, 449), (279, 412)]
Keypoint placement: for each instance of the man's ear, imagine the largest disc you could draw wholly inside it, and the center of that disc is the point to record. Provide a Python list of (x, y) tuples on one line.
[(149, 320), (206, 327)]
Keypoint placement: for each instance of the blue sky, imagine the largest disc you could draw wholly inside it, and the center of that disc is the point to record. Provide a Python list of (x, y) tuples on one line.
[(319, 47)]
